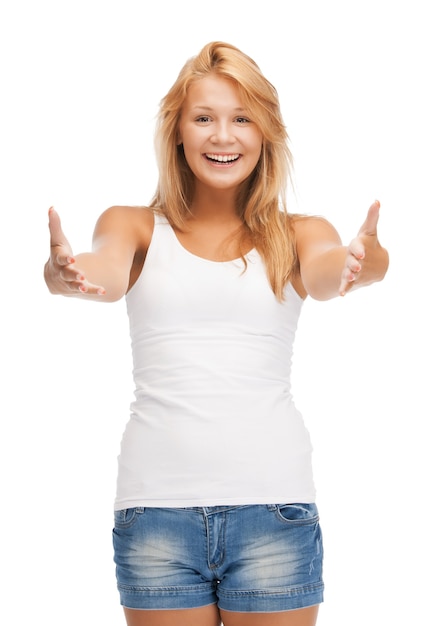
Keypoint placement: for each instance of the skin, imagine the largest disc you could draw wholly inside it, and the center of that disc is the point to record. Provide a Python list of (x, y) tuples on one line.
[(211, 616), (213, 122)]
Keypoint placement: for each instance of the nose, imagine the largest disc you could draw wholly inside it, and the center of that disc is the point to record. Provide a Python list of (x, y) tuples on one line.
[(223, 133)]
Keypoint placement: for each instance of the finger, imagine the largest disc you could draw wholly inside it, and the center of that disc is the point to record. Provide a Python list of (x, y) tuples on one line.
[(350, 273), (356, 252), (76, 281), (345, 285), (63, 256), (347, 280), (369, 227), (59, 240), (71, 274), (89, 289), (57, 235)]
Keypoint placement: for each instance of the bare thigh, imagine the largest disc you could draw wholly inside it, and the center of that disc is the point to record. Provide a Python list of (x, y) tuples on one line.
[(209, 616), (203, 616), (300, 617)]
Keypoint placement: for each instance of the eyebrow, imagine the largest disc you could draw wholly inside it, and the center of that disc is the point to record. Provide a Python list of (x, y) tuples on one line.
[(203, 107)]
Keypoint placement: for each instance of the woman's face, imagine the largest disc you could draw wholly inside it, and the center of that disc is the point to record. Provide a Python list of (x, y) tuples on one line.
[(221, 141)]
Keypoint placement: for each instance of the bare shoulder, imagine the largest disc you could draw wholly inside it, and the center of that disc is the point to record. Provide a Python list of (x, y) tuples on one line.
[(132, 228), (311, 225), (313, 231), (132, 225), (127, 217)]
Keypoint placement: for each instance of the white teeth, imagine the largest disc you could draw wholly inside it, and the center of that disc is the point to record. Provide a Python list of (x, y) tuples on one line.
[(223, 158)]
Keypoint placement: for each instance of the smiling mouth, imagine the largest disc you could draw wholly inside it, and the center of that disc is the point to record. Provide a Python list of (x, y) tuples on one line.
[(222, 158)]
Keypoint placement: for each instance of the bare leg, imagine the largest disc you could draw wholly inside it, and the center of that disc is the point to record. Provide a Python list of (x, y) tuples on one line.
[(203, 616), (300, 617)]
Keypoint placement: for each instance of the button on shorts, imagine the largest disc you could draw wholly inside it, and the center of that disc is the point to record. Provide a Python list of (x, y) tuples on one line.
[(260, 558)]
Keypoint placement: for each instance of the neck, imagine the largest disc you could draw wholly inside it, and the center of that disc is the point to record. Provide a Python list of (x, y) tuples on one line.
[(215, 205)]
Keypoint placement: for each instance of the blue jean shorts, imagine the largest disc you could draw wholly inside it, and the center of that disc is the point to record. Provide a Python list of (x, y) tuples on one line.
[(260, 558)]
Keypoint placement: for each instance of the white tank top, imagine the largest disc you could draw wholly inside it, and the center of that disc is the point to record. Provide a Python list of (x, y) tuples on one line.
[(213, 420)]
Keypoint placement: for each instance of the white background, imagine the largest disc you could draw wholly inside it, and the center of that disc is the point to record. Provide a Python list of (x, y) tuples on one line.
[(361, 88)]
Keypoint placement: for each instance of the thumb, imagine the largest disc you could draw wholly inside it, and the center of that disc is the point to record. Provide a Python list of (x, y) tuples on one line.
[(57, 236), (369, 227)]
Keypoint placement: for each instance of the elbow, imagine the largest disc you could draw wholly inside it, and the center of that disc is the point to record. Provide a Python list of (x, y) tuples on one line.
[(317, 290), (112, 293), (322, 296)]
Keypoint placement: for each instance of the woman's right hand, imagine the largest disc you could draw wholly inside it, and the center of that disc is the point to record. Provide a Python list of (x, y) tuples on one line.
[(62, 275)]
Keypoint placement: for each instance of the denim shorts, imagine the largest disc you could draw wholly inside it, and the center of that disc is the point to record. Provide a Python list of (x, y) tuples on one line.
[(258, 558)]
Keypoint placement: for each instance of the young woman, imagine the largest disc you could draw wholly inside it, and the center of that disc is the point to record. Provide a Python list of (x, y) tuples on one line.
[(215, 513)]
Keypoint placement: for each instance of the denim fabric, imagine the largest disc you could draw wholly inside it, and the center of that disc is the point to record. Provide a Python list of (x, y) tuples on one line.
[(255, 558)]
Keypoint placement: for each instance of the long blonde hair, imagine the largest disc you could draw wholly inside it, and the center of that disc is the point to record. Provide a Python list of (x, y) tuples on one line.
[(261, 202)]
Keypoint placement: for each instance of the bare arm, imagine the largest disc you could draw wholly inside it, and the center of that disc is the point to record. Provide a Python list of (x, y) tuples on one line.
[(328, 268), (102, 274)]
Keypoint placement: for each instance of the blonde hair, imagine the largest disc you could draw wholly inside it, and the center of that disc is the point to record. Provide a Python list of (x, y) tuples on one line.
[(261, 202)]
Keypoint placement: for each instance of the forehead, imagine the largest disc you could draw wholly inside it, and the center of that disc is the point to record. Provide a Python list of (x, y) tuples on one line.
[(213, 92)]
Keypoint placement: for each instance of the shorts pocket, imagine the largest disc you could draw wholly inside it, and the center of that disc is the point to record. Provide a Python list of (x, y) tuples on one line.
[(125, 518), (297, 513)]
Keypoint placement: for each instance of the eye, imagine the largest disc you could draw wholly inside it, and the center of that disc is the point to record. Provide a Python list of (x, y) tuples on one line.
[(242, 120), (203, 119)]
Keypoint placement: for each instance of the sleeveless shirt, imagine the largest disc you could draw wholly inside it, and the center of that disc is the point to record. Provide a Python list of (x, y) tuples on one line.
[(213, 420)]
